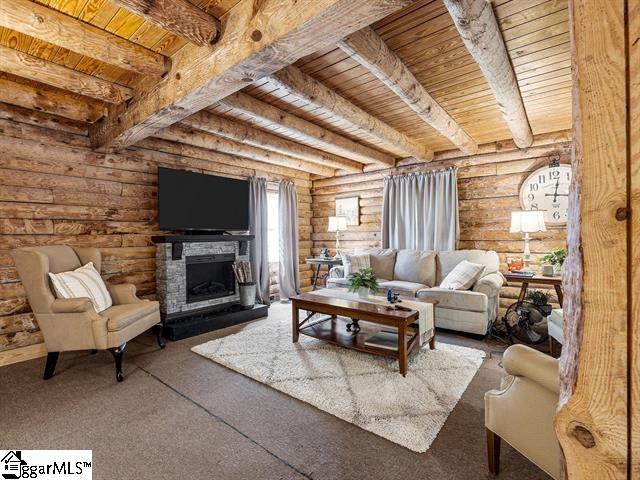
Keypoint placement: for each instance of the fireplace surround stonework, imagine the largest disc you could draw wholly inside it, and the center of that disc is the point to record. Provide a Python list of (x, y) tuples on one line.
[(171, 273)]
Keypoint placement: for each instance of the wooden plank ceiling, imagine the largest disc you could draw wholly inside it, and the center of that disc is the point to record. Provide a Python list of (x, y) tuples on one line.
[(423, 36)]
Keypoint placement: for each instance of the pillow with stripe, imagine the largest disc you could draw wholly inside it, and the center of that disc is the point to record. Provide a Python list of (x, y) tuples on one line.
[(354, 263), (463, 276), (83, 282)]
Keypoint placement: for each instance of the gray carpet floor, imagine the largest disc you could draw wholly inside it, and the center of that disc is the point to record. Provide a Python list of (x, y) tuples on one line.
[(179, 415)]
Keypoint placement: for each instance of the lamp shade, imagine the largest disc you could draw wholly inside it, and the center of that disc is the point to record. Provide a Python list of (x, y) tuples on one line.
[(337, 224), (527, 221)]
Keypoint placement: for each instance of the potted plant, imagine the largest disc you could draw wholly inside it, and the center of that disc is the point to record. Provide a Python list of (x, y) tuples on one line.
[(363, 282), (541, 300), (556, 258)]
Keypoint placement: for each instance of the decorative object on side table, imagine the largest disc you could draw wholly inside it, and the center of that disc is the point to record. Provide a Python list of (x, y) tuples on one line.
[(337, 224), (242, 272), (555, 260), (529, 221), (541, 300), (324, 253), (364, 282)]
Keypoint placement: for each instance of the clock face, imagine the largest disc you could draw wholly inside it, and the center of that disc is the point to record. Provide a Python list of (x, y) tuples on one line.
[(548, 189)]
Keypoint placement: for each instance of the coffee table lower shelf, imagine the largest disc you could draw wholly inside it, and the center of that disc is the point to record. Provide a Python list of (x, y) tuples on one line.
[(334, 330)]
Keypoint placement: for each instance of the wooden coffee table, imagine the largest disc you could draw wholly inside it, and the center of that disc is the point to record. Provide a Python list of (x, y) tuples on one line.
[(350, 333)]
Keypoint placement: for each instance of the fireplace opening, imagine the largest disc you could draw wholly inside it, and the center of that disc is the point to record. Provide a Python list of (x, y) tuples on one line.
[(210, 276)]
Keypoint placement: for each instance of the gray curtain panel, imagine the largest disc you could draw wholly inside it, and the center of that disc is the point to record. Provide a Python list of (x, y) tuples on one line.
[(288, 273), (420, 211), (258, 249)]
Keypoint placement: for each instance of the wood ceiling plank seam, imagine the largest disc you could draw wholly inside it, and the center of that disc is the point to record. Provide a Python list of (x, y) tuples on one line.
[(512, 7), (528, 15), (556, 29), (542, 62), (541, 54), (397, 37), (405, 12), (536, 25), (418, 17)]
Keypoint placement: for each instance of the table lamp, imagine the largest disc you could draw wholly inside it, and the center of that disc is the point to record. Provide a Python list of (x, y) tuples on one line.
[(527, 221), (337, 224)]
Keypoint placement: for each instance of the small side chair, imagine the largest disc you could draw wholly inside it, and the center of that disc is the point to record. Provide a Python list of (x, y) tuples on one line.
[(73, 324)]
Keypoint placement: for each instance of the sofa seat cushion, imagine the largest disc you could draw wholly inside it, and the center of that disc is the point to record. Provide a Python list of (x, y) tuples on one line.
[(455, 299), (415, 266), (381, 260), (120, 317), (407, 289), (346, 282)]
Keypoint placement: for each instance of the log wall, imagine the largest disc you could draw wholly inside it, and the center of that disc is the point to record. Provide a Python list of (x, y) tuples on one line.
[(488, 184), (55, 190)]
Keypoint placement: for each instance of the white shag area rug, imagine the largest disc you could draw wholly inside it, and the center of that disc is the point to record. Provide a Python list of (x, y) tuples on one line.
[(362, 389)]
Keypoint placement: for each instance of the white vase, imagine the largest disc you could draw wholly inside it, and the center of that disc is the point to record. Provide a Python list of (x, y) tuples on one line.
[(363, 292)]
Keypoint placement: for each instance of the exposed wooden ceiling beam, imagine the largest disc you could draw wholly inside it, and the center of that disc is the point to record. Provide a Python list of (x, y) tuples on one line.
[(260, 37), (49, 100), (180, 17), (35, 68), (248, 135), (198, 138), (306, 88), (367, 48), (479, 29), (292, 125), (46, 24)]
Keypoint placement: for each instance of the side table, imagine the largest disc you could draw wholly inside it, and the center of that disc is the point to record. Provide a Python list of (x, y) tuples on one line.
[(319, 263)]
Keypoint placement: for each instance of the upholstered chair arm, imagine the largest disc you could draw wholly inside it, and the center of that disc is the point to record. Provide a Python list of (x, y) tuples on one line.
[(71, 305), (523, 361), (123, 294), (490, 284), (337, 272)]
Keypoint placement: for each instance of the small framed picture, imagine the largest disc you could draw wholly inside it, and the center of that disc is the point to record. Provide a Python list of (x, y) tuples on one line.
[(349, 207)]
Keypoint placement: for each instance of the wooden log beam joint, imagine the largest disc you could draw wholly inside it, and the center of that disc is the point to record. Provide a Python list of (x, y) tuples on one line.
[(180, 17), (51, 26)]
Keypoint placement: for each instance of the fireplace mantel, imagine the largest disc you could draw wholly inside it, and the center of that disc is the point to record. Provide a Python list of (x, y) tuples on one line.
[(200, 238)]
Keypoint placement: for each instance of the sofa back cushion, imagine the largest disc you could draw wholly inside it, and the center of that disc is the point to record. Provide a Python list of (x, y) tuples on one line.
[(416, 266), (447, 261), (382, 260)]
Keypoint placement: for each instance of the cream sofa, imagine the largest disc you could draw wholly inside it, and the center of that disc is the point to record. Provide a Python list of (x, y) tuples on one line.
[(417, 273)]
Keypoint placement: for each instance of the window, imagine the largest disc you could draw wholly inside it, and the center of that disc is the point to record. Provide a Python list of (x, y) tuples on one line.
[(273, 235)]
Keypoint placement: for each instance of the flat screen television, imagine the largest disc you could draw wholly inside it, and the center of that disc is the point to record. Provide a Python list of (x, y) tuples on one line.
[(198, 202)]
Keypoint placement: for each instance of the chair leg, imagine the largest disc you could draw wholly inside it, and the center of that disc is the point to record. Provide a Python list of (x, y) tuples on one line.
[(157, 329), (118, 353), (50, 366), (493, 452)]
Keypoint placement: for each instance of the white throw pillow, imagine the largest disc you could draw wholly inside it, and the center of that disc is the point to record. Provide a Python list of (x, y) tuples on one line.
[(463, 276), (83, 282), (354, 263)]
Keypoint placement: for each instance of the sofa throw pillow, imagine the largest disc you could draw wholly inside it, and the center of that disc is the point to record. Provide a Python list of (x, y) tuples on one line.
[(463, 276), (83, 282), (382, 261), (416, 266), (354, 263)]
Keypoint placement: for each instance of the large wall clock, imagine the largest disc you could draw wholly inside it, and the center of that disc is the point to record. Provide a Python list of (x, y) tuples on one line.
[(548, 189)]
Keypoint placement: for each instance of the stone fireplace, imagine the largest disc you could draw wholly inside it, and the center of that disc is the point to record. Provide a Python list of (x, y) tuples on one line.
[(195, 273)]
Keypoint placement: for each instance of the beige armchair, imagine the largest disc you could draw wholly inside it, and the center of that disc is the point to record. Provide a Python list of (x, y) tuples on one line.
[(73, 324), (522, 412)]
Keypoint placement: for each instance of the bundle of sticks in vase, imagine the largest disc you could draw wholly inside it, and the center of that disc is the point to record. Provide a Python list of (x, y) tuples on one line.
[(242, 271)]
